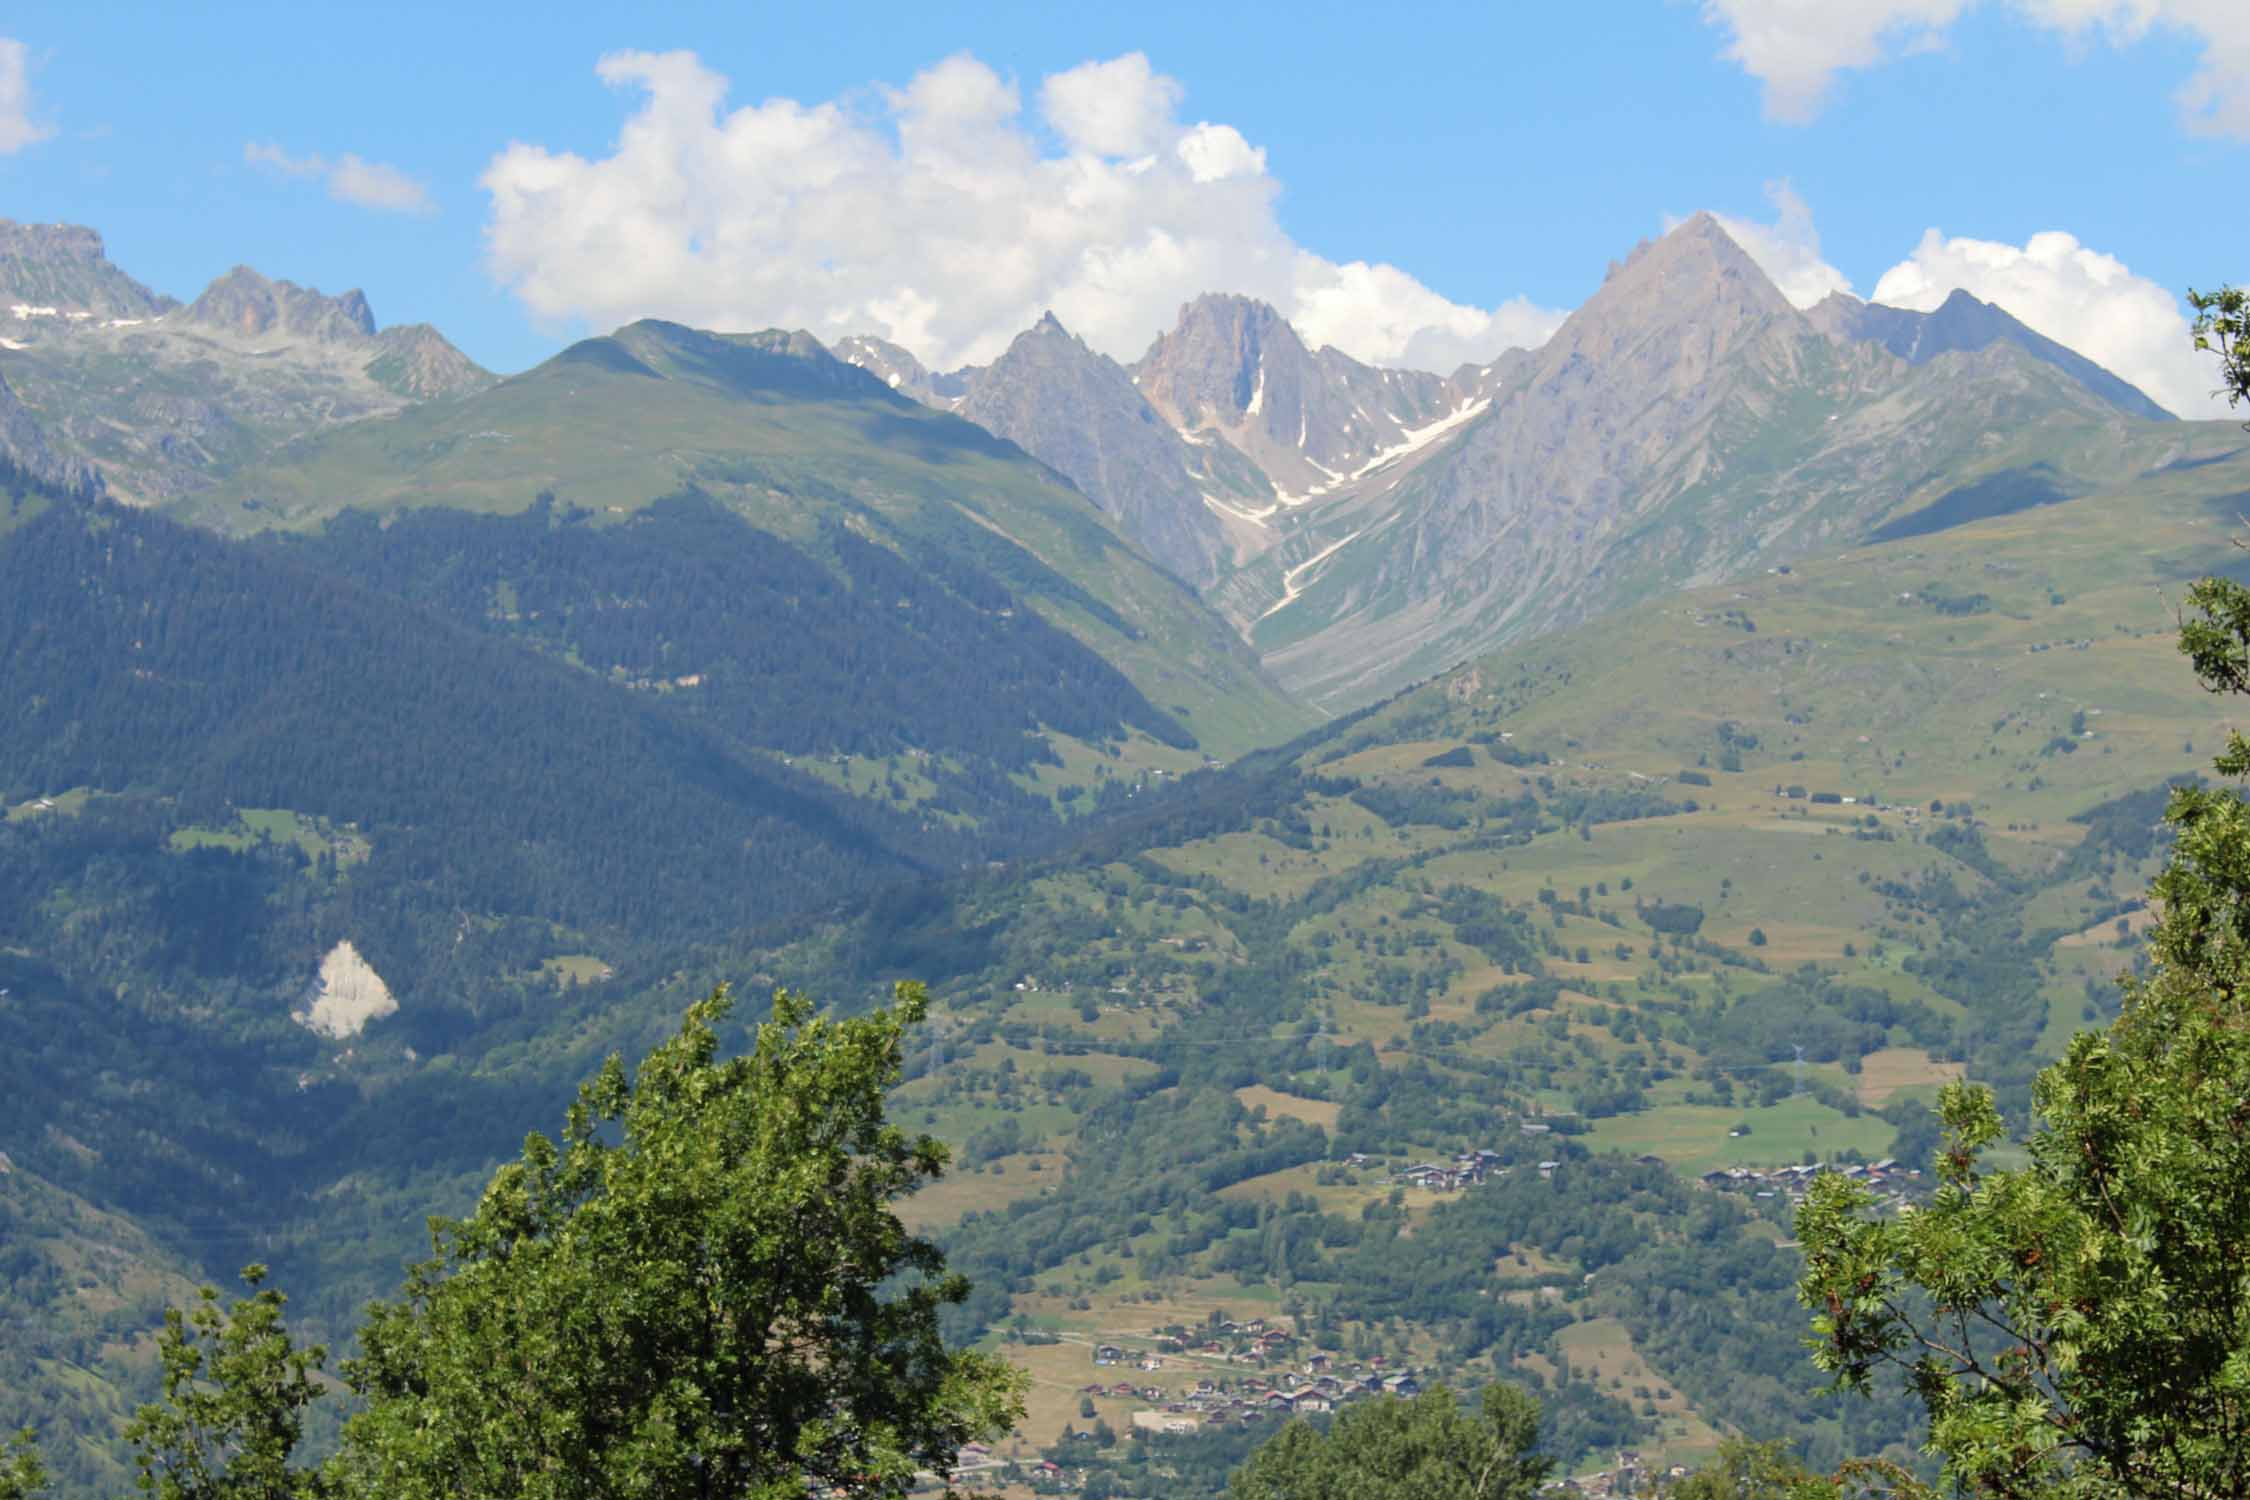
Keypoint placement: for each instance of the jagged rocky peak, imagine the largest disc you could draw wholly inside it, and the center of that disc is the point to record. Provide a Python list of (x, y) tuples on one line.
[(1308, 420), (1694, 274), (250, 305), (1078, 412), (62, 271), (1217, 363)]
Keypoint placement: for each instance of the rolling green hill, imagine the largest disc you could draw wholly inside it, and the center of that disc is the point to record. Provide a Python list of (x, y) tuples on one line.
[(794, 442)]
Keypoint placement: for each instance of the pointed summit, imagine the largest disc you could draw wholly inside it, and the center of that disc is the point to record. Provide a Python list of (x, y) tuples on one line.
[(1078, 412), (1698, 267), (1213, 367), (1234, 366)]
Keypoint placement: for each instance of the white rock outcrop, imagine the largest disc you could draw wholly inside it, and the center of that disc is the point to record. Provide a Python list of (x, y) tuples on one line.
[(347, 995)]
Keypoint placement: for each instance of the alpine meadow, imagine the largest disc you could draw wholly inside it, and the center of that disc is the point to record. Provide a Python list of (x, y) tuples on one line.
[(955, 800)]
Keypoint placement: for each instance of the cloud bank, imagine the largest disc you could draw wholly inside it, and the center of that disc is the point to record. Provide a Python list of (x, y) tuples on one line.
[(2075, 295), (17, 128), (349, 179), (944, 217), (1796, 49)]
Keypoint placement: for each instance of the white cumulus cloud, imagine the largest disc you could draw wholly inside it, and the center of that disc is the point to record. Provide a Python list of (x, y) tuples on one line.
[(1787, 250), (350, 178), (942, 215), (2077, 296), (17, 128), (1797, 47)]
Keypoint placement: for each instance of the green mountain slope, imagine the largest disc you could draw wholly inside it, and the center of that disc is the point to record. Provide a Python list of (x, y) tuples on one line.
[(774, 429), (1188, 1061), (1731, 880)]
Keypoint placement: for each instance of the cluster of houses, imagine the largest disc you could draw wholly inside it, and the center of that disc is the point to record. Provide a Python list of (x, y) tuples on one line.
[(1320, 1383), (1316, 1388), (1465, 1170), (1890, 1180), (1249, 1338), (1630, 1475)]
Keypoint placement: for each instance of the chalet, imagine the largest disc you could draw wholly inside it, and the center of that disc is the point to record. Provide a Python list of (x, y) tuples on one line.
[(1167, 1421), (1107, 1354), (1402, 1384)]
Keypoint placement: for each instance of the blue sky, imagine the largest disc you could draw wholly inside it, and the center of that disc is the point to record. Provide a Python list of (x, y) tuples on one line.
[(1419, 173)]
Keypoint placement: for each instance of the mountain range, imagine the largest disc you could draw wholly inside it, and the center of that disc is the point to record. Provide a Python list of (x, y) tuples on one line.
[(162, 398), (1687, 423), (1359, 528), (1288, 773)]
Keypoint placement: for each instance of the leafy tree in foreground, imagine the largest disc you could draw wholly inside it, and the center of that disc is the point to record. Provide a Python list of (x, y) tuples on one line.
[(235, 1391), (700, 1290), (2081, 1326), (1427, 1448), (22, 1475), (2222, 327)]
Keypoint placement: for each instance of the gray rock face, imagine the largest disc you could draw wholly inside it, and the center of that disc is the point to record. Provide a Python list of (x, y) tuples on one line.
[(25, 450), (61, 270), (1079, 413), (1235, 369), (1684, 425), (1963, 324), (251, 306)]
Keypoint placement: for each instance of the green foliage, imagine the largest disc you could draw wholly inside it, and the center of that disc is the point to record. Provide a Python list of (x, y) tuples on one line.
[(22, 1475), (701, 1289), (2081, 1326), (1744, 1470), (236, 1387), (1429, 1448), (2222, 327)]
